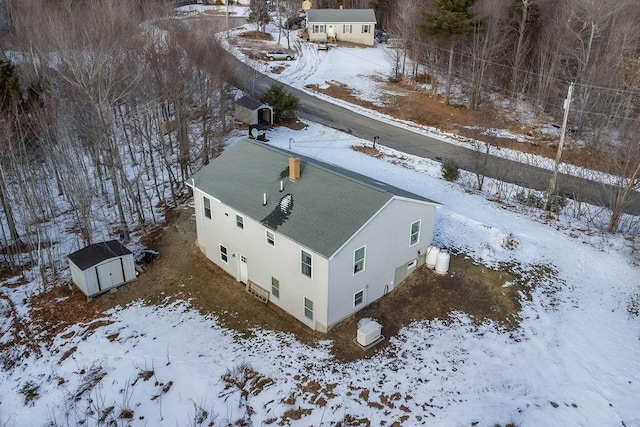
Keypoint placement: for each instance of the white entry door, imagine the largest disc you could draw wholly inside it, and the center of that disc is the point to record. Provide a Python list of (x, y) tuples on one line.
[(243, 270)]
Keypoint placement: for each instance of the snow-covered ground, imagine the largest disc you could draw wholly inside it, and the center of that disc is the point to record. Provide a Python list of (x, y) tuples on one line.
[(365, 70), (574, 361)]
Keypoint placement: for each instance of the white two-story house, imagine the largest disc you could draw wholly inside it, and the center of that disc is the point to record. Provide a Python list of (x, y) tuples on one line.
[(316, 240)]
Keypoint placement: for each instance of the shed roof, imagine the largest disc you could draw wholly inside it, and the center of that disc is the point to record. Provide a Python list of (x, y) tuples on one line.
[(96, 253), (341, 15), (249, 103), (321, 210)]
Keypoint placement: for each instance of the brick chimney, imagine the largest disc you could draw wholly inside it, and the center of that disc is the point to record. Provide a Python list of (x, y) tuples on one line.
[(294, 168)]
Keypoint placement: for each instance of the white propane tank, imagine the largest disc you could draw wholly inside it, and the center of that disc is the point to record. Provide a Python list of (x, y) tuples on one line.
[(432, 255), (442, 262)]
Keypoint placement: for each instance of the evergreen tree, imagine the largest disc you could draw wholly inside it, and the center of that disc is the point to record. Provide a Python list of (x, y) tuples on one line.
[(284, 103), (9, 87), (446, 21)]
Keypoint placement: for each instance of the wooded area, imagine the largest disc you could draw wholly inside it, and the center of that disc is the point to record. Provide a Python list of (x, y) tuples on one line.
[(108, 112), (107, 107), (523, 55)]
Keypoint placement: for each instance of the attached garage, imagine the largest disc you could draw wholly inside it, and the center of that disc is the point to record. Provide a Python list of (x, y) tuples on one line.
[(102, 266), (253, 112)]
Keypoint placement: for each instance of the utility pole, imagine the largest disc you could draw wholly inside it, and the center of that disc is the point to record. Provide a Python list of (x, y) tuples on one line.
[(563, 131)]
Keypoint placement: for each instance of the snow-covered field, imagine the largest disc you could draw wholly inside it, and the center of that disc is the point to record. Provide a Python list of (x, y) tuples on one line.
[(574, 361)]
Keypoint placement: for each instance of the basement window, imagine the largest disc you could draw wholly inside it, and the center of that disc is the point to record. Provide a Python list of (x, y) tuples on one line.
[(223, 254), (207, 207), (308, 308), (358, 298)]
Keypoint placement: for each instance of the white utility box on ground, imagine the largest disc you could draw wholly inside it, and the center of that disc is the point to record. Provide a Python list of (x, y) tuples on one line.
[(369, 333)]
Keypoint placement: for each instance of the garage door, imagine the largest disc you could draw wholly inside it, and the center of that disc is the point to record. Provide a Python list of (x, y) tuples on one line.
[(110, 274)]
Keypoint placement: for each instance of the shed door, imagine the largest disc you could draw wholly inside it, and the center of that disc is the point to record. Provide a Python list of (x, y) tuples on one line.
[(264, 116), (110, 274)]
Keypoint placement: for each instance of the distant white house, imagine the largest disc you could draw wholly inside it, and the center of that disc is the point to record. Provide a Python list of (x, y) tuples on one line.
[(100, 267), (349, 25), (316, 240)]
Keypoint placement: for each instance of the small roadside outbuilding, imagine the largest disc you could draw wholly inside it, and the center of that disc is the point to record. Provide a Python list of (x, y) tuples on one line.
[(253, 112), (102, 266)]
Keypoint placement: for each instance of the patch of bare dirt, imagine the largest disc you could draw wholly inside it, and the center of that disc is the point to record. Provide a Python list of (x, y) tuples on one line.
[(256, 35), (183, 273), (407, 102)]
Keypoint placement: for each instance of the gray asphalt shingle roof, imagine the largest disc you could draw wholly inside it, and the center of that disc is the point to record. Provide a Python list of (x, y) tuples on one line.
[(321, 210), (341, 15), (96, 253), (249, 103)]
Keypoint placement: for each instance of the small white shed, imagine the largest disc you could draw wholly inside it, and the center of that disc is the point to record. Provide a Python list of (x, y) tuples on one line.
[(102, 266), (253, 112)]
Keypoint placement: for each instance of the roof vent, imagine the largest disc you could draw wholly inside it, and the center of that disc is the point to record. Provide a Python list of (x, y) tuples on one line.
[(294, 168)]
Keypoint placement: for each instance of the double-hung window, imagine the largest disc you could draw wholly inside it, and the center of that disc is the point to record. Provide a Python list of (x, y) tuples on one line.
[(308, 308), (415, 233), (223, 254), (366, 28), (240, 221), (207, 206), (318, 28), (275, 287), (305, 263), (347, 28), (271, 238), (358, 260)]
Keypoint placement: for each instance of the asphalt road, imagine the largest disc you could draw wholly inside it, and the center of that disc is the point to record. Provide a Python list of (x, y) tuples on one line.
[(314, 109)]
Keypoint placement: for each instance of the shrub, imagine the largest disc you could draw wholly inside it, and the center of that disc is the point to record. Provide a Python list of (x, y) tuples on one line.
[(528, 198), (284, 103), (450, 170)]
